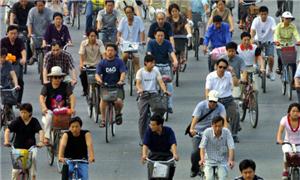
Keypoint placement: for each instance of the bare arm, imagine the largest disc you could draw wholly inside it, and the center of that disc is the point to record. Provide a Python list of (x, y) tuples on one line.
[(98, 78), (139, 86), (90, 147), (99, 25), (119, 35), (14, 78), (188, 28), (62, 146), (137, 11), (72, 102), (144, 153), (174, 152), (253, 33), (193, 124), (23, 54), (43, 104), (172, 41), (231, 23), (29, 27), (123, 76), (143, 37), (81, 61), (41, 136), (206, 93), (174, 59), (202, 155), (6, 136), (45, 73), (12, 18), (279, 134), (162, 85)]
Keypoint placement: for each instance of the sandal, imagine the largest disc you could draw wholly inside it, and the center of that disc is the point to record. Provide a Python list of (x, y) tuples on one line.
[(119, 119), (102, 124)]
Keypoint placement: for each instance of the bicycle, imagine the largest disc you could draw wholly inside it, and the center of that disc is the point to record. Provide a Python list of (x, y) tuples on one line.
[(60, 124), (93, 97), (181, 42), (249, 101), (109, 94), (263, 74), (198, 33), (75, 13), (293, 161), (252, 13), (75, 174), (202, 174), (159, 169)]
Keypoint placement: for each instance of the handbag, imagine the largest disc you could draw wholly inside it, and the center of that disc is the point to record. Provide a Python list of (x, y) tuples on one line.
[(187, 130)]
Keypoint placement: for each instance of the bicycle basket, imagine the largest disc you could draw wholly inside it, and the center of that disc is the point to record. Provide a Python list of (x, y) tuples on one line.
[(293, 159), (91, 76), (9, 97), (158, 103), (158, 170), (127, 46), (288, 55), (21, 158), (61, 121), (166, 72), (111, 94)]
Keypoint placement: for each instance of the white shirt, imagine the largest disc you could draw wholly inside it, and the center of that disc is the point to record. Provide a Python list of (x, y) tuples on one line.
[(248, 55), (131, 33), (264, 30), (223, 85), (149, 79)]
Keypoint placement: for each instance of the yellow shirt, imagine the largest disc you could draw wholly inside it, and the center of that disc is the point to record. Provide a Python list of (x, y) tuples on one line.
[(285, 34)]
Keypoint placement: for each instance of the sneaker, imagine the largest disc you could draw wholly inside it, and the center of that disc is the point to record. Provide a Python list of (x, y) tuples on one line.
[(285, 175), (170, 110), (272, 76), (236, 139), (278, 71)]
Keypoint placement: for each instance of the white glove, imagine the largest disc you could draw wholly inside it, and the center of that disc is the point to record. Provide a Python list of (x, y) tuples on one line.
[(189, 35)]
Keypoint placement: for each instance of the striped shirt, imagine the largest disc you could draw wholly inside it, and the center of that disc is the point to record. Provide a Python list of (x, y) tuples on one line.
[(216, 149), (63, 60)]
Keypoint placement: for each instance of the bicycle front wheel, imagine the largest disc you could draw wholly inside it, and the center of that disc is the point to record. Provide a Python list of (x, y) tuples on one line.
[(130, 76), (283, 81), (40, 65), (289, 85), (90, 100), (96, 101), (78, 16), (177, 75), (50, 150), (108, 123), (295, 174), (253, 109), (57, 135), (196, 44), (263, 81)]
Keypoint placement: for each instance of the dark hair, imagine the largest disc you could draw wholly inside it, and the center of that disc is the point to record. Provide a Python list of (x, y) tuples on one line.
[(297, 105), (3, 52), (111, 45), (222, 60), (217, 119), (172, 6), (75, 119), (219, 1), (157, 118), (108, 1), (57, 14), (247, 163), (43, 1), (217, 18), (26, 107), (231, 45), (90, 31), (54, 43), (159, 30), (149, 58), (245, 34), (131, 7), (12, 27), (264, 9)]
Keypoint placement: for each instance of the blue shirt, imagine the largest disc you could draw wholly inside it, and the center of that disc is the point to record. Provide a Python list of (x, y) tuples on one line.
[(111, 70), (5, 74), (197, 6), (160, 143), (217, 37), (167, 27), (160, 52)]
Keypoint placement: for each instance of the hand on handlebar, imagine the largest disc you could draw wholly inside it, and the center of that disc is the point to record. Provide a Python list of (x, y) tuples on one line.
[(143, 159), (7, 144), (176, 157), (201, 162), (193, 132), (280, 141)]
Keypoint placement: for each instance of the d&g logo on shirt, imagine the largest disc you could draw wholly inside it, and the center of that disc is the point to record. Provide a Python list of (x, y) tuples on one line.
[(110, 70)]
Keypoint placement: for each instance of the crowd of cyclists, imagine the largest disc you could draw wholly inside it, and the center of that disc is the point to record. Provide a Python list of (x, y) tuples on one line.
[(215, 120)]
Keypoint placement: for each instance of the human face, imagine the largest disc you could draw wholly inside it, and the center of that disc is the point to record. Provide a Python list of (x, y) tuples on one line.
[(263, 16), (58, 21), (160, 19), (12, 35), (246, 41), (55, 50), (154, 126), (149, 65), (248, 174), (23, 2), (212, 104), (175, 12), (287, 21), (109, 7), (92, 37), (75, 128), (221, 67), (40, 6), (218, 25), (231, 53), (217, 127), (25, 115), (294, 113), (220, 5), (56, 80), (160, 36), (110, 53), (129, 13)]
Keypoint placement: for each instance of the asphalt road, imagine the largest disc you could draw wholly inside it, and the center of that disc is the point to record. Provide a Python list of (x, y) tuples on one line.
[(119, 160)]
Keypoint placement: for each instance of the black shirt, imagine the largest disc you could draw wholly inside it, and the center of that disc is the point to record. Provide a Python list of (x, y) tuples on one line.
[(14, 49), (76, 147), (255, 178), (64, 90), (167, 27), (21, 14), (25, 134)]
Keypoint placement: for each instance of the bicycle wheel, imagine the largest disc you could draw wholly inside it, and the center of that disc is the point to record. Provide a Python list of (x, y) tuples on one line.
[(183, 66), (10, 117), (283, 81), (242, 108), (196, 44), (289, 88), (130, 76), (263, 81), (166, 116), (108, 123), (90, 100), (253, 109), (295, 175), (40, 66), (78, 16), (96, 101), (23, 175), (57, 135), (177, 75), (72, 14), (50, 150)]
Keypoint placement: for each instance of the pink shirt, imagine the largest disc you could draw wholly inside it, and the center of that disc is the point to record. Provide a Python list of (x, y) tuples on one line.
[(292, 136)]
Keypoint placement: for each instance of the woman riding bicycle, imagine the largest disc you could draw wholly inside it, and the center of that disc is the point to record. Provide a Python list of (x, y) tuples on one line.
[(76, 144), (291, 124)]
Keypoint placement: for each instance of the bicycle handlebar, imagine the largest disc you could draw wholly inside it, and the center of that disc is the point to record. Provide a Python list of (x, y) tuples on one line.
[(8, 90), (168, 161), (287, 143), (251, 3), (77, 160), (5, 5)]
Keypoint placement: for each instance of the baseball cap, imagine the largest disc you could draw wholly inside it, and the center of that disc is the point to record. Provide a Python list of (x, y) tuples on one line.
[(213, 95)]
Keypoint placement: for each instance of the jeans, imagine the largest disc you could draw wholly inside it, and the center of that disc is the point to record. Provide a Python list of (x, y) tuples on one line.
[(109, 35), (170, 89), (221, 171), (83, 170), (18, 68), (144, 120), (195, 156)]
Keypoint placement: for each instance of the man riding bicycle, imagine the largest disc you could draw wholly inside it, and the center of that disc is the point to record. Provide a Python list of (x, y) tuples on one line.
[(111, 71), (247, 168), (120, 5), (19, 13)]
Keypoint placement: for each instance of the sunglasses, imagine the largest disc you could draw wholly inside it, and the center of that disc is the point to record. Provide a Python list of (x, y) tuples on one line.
[(57, 77), (212, 101), (223, 67)]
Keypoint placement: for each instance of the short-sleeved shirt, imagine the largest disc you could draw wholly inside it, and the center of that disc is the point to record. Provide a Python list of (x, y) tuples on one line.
[(285, 35), (55, 7), (291, 135), (14, 49), (149, 79), (237, 63), (179, 26), (108, 19), (225, 14), (64, 90), (197, 6), (160, 51), (249, 54), (111, 70), (160, 143), (91, 53), (167, 27), (21, 13), (25, 134), (63, 60), (131, 33), (202, 109), (255, 178), (221, 84), (264, 30), (216, 149), (39, 21), (52, 34), (124, 3), (6, 69)]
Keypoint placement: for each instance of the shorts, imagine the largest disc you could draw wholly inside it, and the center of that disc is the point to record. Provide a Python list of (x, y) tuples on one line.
[(269, 49)]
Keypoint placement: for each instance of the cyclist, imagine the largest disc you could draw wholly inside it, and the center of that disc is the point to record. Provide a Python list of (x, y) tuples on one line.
[(297, 82), (217, 35), (7, 71), (147, 79), (76, 144), (131, 29), (120, 5), (19, 13), (57, 32), (284, 33), (161, 23), (55, 6), (48, 94), (223, 80), (39, 18), (217, 150), (91, 51), (25, 127), (243, 11), (161, 142), (91, 7), (15, 46), (180, 26), (203, 114), (290, 124), (107, 21), (161, 49), (247, 168), (61, 58), (111, 71)]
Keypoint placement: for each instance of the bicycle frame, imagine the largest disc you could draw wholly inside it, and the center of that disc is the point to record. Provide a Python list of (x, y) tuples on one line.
[(76, 162)]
